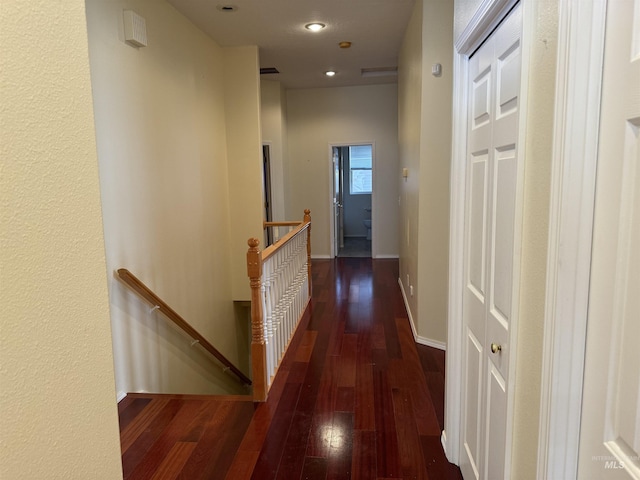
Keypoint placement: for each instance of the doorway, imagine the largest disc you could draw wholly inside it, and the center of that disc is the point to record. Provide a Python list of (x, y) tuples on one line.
[(266, 188), (352, 193)]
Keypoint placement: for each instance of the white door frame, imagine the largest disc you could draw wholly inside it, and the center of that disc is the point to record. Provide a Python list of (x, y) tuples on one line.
[(488, 16), (576, 119), (332, 222)]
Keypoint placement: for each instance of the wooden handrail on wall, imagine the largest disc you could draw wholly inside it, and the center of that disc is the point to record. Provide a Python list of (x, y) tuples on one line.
[(255, 262), (146, 293)]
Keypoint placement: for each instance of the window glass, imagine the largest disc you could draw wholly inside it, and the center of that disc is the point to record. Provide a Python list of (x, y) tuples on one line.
[(360, 163)]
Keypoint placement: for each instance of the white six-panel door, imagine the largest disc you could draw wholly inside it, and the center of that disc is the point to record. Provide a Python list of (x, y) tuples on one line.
[(494, 87), (610, 425)]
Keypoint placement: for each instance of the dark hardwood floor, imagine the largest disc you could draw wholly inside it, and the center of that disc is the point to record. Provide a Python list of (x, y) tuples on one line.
[(355, 398)]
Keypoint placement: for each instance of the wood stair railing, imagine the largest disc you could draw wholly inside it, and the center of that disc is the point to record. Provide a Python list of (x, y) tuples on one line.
[(146, 293), (280, 281)]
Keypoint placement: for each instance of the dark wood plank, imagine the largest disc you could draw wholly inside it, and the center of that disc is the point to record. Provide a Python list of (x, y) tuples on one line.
[(165, 442), (131, 410), (315, 468), (221, 453), (387, 454), (292, 461), (438, 466), (345, 399), (303, 353), (411, 457), (341, 447), (347, 361), (364, 455), (174, 461), (273, 447), (364, 403), (144, 433), (210, 459)]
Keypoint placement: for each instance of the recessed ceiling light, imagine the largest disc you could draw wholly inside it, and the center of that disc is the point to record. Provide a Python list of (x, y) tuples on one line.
[(315, 27), (227, 8), (329, 73)]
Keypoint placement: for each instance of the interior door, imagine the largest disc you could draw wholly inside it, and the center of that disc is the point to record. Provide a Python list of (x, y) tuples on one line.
[(338, 205), (610, 425), (494, 86)]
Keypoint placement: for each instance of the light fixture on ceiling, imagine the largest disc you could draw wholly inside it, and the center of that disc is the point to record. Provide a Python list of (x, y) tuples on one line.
[(344, 44), (330, 73), (315, 26)]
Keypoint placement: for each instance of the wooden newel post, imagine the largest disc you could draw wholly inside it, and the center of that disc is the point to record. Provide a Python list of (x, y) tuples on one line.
[(307, 218), (258, 347)]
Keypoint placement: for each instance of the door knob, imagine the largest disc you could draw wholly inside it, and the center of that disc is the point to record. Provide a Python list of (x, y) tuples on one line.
[(495, 348)]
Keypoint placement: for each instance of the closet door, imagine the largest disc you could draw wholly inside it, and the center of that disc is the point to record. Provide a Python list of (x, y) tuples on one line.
[(494, 86)]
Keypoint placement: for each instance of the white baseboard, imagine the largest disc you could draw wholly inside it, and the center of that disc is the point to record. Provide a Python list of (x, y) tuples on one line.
[(417, 338), (443, 441), (431, 343), (381, 256), (120, 396), (320, 257)]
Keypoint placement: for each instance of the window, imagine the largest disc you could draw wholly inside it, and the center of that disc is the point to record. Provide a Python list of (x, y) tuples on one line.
[(360, 179)]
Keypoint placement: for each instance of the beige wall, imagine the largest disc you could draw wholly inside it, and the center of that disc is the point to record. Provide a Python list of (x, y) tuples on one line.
[(435, 155), (163, 145), (425, 146), (273, 117), (244, 150), (538, 149), (409, 136), (57, 393), (320, 117)]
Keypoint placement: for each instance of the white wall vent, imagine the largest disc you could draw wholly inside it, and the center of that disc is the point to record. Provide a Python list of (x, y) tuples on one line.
[(135, 29)]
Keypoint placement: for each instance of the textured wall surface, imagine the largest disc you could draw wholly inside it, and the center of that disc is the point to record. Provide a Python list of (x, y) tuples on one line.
[(319, 117), (244, 151), (435, 158), (409, 134), (535, 232), (161, 131), (57, 395), (425, 149)]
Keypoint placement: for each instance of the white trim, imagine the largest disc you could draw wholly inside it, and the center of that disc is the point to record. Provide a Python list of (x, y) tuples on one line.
[(321, 257), (406, 307), (120, 396), (443, 441), (417, 338), (527, 36), (383, 256), (487, 17), (431, 343), (576, 119), (453, 375)]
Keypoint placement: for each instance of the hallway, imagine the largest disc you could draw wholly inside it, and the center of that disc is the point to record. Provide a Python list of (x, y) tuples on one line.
[(360, 400), (355, 398)]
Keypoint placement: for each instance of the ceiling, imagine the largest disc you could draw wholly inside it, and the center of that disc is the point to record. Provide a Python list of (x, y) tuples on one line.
[(374, 27)]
